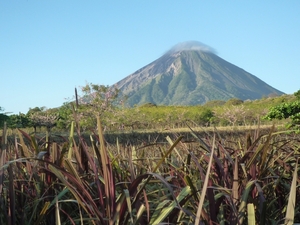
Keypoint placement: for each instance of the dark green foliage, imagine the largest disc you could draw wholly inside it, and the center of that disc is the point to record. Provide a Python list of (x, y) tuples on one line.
[(206, 116), (286, 110), (152, 116), (64, 116), (297, 94), (19, 121), (3, 118), (35, 110)]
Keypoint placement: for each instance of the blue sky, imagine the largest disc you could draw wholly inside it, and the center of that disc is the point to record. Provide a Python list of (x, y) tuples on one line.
[(47, 48)]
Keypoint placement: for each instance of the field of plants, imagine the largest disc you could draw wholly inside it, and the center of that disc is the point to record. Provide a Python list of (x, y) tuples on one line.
[(152, 164), (207, 178)]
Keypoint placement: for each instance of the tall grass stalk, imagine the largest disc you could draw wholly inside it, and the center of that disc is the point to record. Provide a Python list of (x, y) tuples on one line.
[(203, 192), (290, 211)]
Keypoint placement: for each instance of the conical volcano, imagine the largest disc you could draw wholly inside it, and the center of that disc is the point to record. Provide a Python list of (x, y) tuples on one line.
[(191, 74)]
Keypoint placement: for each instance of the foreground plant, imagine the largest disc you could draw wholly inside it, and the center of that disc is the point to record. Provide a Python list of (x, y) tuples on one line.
[(88, 181)]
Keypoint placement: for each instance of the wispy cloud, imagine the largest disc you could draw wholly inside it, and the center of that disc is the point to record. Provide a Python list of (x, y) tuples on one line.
[(192, 45)]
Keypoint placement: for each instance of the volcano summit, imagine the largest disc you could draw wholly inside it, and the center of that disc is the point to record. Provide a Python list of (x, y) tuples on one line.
[(190, 74)]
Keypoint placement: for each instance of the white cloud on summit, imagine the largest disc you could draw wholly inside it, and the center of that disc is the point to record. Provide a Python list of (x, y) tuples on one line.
[(192, 45)]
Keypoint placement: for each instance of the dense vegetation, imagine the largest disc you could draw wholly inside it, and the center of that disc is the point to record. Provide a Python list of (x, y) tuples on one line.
[(286, 110), (80, 178), (117, 117)]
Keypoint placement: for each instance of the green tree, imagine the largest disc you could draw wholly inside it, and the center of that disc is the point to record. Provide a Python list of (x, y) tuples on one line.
[(206, 116), (35, 110), (234, 114), (287, 110), (96, 100), (64, 116), (42, 117), (20, 120), (3, 118), (31, 114), (297, 94)]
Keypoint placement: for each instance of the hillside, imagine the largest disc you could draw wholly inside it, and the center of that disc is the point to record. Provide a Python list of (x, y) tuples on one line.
[(191, 76)]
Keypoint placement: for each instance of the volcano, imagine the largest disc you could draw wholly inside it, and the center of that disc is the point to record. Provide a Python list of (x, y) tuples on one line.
[(191, 74)]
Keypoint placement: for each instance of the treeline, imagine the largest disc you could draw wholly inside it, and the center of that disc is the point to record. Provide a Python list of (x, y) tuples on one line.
[(117, 117)]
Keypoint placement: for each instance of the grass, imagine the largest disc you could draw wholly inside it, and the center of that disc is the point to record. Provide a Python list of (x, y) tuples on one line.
[(248, 179)]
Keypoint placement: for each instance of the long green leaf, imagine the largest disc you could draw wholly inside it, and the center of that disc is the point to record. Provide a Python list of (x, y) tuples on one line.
[(176, 151), (167, 210), (158, 209), (139, 213), (71, 136), (57, 215), (82, 196), (60, 195), (243, 204), (251, 214), (203, 193), (167, 153), (107, 174), (154, 170), (235, 182), (42, 213), (24, 149), (69, 166), (192, 186), (127, 195), (290, 211)]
